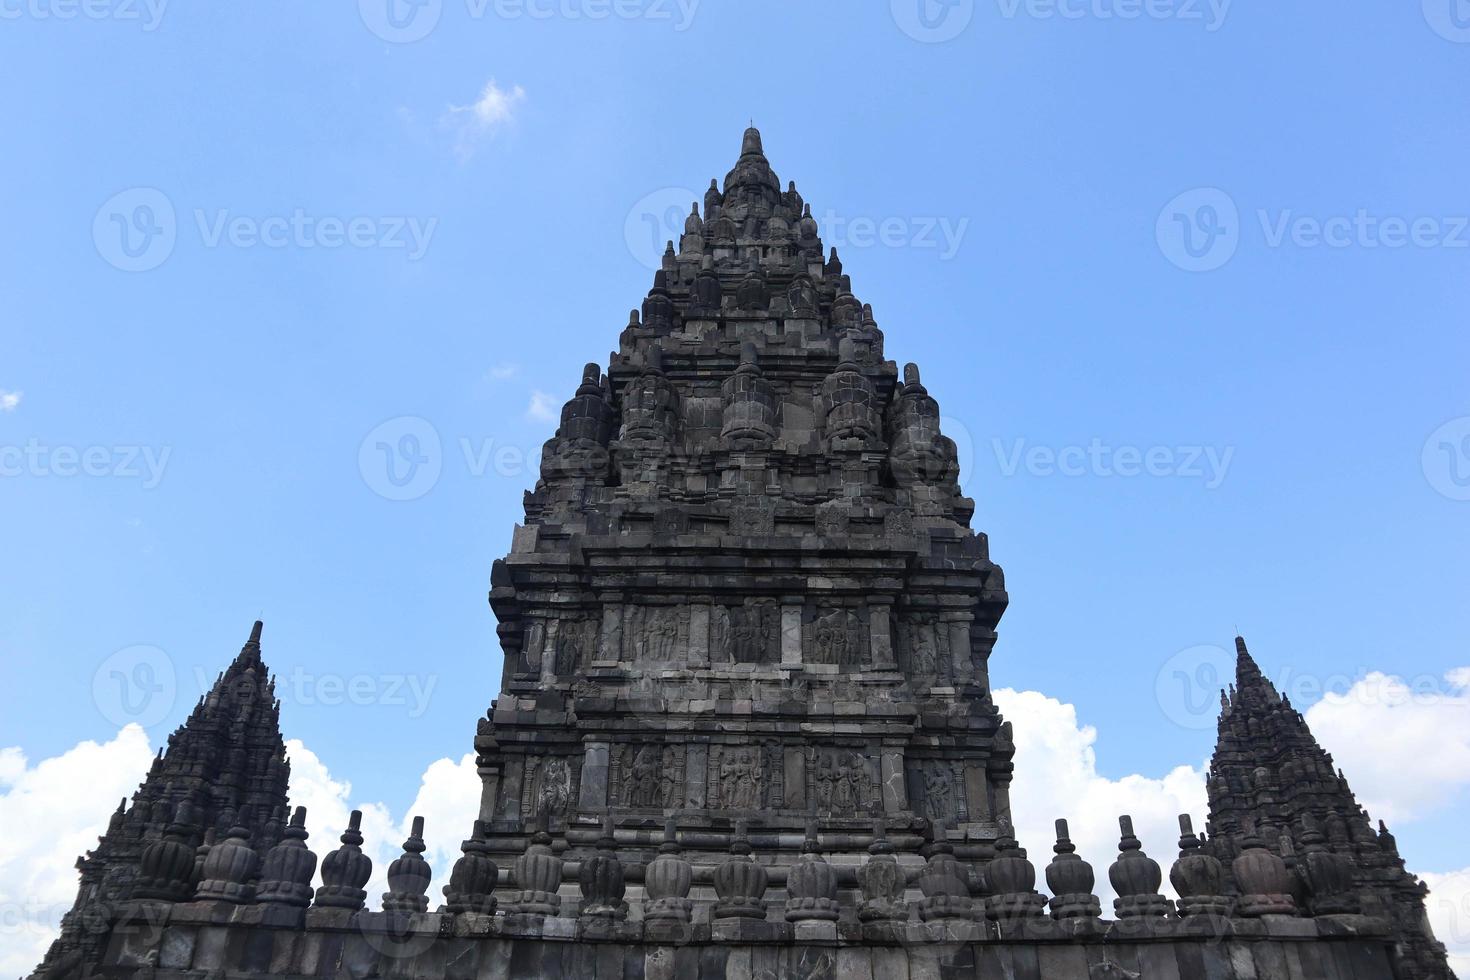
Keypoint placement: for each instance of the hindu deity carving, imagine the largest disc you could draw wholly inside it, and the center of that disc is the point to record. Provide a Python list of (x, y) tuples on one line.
[(575, 642), (656, 634), (939, 785), (552, 782), (649, 777), (926, 646), (837, 637), (842, 782), (740, 778), (745, 634)]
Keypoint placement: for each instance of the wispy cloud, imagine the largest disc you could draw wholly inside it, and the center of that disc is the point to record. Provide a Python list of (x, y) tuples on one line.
[(9, 400), (473, 124), (502, 372), (542, 407)]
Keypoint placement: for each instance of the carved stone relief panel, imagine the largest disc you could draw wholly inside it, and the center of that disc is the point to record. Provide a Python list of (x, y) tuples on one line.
[(925, 643), (747, 633), (648, 776), (576, 641), (836, 636), (746, 777), (937, 787), (656, 635), (547, 787), (842, 782)]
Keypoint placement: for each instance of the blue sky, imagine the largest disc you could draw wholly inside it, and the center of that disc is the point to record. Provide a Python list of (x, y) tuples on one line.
[(1230, 240)]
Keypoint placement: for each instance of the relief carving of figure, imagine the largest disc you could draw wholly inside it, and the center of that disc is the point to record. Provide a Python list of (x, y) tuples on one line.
[(752, 629), (571, 646), (662, 635), (645, 777), (836, 638), (669, 779), (925, 655), (556, 789), (938, 793)]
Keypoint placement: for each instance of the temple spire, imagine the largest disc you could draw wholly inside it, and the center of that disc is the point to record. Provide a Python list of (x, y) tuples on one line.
[(1268, 771)]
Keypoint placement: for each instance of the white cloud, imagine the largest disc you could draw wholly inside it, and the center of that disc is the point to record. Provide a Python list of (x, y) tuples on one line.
[(1056, 776), (10, 400), (542, 408), (53, 812), (503, 372), (1405, 747), (482, 119), (1449, 914)]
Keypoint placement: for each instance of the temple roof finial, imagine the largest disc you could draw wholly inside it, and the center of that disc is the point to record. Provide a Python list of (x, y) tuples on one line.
[(751, 144)]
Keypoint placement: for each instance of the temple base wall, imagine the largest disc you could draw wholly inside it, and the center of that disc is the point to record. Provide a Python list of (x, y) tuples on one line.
[(197, 941)]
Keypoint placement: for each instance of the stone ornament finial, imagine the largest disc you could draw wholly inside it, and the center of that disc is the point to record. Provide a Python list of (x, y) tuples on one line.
[(1010, 878), (1136, 878), (409, 875), (1071, 881), (741, 881), (166, 867), (538, 875), (883, 881), (471, 887), (601, 879), (1263, 880), (1197, 876), (346, 871), (811, 884), (667, 881), (285, 877), (944, 882), (230, 868), (1329, 874)]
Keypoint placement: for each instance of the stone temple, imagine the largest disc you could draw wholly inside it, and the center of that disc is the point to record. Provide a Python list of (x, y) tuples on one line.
[(745, 727)]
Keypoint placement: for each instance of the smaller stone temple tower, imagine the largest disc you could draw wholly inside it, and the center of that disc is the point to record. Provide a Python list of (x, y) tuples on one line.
[(227, 760), (1271, 783)]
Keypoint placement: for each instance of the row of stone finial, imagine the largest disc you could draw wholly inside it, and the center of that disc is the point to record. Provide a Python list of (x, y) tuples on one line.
[(231, 871), (172, 869)]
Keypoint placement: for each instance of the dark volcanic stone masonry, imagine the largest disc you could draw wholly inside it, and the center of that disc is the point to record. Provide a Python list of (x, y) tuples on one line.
[(745, 729)]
